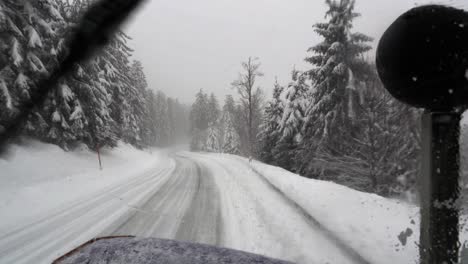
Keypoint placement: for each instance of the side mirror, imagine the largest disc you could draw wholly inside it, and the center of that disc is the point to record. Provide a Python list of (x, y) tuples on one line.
[(422, 60)]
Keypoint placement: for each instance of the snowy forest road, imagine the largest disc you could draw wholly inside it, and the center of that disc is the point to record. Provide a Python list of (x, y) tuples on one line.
[(211, 199), (186, 207)]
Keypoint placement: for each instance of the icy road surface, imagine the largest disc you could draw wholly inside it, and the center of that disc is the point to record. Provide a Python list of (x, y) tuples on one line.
[(189, 197)]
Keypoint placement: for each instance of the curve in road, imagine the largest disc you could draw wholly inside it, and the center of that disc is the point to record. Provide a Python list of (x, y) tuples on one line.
[(211, 199)]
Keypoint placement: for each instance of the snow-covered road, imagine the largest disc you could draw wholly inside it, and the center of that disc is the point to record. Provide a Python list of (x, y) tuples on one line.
[(189, 197), (185, 207)]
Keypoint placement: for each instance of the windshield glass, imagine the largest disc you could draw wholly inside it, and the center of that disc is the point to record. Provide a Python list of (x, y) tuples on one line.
[(261, 126)]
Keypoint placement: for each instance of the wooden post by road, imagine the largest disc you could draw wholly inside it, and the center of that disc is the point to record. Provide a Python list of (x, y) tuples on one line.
[(99, 156)]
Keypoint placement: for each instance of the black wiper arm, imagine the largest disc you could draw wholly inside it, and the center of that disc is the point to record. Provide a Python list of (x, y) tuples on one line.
[(96, 28)]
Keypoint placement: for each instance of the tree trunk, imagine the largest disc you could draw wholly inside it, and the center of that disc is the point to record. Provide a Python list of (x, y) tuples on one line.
[(250, 125)]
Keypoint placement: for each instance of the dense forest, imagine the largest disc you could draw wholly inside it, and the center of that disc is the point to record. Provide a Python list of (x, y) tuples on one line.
[(104, 100), (333, 121)]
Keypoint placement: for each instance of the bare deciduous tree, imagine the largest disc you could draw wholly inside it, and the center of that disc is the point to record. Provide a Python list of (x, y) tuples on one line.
[(245, 85)]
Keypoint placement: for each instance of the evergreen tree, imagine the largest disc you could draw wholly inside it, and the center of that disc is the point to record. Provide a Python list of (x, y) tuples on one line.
[(28, 31), (284, 153), (291, 122), (198, 115), (114, 71), (212, 141), (335, 59), (229, 105), (231, 141), (162, 120), (213, 110), (95, 97), (103, 100), (385, 157), (270, 128), (138, 76), (152, 125), (199, 121), (95, 126), (295, 107), (140, 104), (171, 120)]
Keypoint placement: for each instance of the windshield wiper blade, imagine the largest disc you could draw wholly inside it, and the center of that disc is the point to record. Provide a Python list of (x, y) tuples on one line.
[(96, 28)]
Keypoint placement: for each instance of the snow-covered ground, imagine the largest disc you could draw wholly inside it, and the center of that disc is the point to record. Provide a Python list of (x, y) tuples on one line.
[(52, 201), (37, 177)]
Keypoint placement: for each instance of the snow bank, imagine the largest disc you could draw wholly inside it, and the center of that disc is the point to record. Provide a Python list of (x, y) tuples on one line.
[(36, 178), (382, 230)]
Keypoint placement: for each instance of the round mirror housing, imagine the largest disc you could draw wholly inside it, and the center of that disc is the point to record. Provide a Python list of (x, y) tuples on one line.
[(422, 58)]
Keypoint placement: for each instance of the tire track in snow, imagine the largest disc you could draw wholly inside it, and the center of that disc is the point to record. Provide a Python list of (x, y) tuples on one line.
[(204, 213), (162, 213), (185, 208)]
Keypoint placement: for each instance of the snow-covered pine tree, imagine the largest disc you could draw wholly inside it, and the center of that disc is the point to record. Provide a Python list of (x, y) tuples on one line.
[(140, 104), (63, 110), (66, 117), (229, 105), (112, 94), (199, 120), (97, 127), (198, 115), (258, 106), (231, 140), (95, 97), (152, 125), (385, 157), (294, 107), (212, 140), (338, 56), (171, 113), (270, 129), (28, 33), (102, 101), (214, 133), (138, 76), (213, 110), (292, 121), (162, 120), (115, 70), (227, 112), (239, 120)]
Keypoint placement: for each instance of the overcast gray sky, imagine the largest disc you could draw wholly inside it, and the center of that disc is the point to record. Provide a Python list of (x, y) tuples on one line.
[(186, 45)]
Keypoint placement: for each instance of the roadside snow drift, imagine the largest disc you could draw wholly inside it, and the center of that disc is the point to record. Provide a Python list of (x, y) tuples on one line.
[(382, 230)]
